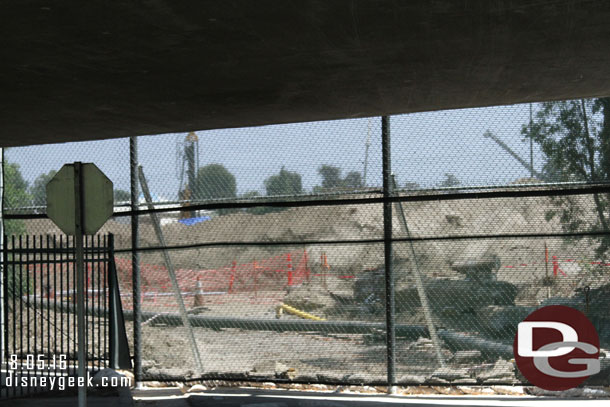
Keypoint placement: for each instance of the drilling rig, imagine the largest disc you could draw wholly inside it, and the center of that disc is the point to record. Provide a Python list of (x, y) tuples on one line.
[(187, 162)]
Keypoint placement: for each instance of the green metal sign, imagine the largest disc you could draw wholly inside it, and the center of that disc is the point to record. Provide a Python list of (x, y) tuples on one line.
[(97, 199)]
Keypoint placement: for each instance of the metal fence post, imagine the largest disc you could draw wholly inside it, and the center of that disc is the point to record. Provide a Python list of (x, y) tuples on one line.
[(387, 241), (119, 347), (172, 273), (135, 263), (3, 265)]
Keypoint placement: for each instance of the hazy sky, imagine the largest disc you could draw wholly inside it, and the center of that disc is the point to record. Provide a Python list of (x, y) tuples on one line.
[(425, 146)]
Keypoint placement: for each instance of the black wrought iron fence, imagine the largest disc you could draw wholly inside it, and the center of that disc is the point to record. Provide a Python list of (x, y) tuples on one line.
[(39, 312)]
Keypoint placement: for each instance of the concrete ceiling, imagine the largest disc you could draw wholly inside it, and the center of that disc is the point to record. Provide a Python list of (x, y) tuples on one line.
[(82, 70)]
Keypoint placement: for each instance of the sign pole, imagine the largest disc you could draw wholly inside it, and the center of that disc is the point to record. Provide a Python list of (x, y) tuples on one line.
[(85, 214), (80, 280)]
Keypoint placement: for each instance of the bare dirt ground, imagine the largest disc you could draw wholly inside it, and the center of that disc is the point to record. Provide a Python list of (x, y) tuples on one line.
[(530, 264)]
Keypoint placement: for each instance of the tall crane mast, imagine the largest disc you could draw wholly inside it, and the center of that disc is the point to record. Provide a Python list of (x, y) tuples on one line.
[(366, 153), (188, 157)]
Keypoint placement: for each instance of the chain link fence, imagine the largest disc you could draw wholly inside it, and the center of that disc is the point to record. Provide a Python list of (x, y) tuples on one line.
[(295, 261)]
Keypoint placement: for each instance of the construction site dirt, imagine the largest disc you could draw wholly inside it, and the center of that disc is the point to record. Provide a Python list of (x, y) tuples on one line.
[(478, 288)]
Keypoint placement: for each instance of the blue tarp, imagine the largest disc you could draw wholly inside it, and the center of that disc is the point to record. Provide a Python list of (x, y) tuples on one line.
[(192, 221)]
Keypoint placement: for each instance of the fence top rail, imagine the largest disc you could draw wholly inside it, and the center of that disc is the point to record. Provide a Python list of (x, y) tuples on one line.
[(64, 250), (454, 193)]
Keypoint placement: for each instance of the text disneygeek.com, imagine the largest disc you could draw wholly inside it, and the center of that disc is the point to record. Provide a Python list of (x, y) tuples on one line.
[(36, 371)]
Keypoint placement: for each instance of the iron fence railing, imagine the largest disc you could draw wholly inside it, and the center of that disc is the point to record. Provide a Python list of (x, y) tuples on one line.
[(39, 312)]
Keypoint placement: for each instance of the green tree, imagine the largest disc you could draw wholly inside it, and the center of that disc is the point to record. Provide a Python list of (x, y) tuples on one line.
[(574, 136), (332, 180), (38, 189), (449, 181), (255, 210), (353, 180), (120, 195), (284, 183), (412, 186), (15, 196), (214, 181), (331, 176)]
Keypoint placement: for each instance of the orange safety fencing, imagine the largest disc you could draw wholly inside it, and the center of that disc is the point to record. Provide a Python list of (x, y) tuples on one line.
[(272, 274)]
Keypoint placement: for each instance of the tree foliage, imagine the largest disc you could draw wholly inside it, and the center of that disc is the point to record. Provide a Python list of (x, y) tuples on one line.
[(574, 136), (214, 181), (353, 180), (15, 196), (255, 210), (38, 189), (284, 183), (331, 176), (120, 195), (450, 181), (332, 180)]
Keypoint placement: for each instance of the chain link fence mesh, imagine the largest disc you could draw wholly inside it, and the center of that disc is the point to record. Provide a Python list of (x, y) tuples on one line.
[(276, 236)]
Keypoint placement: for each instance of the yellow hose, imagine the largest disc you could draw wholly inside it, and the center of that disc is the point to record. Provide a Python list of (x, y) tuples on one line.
[(297, 312)]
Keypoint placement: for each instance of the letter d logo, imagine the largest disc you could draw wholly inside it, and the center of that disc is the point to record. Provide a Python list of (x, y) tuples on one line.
[(525, 338)]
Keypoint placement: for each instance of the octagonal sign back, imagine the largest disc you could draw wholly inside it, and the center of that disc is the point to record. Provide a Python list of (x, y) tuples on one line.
[(97, 199)]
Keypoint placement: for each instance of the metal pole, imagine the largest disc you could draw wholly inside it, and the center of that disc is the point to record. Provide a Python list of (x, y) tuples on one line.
[(118, 346), (172, 273), (135, 263), (421, 291), (80, 280), (453, 340), (531, 146), (366, 152), (4, 271), (387, 240)]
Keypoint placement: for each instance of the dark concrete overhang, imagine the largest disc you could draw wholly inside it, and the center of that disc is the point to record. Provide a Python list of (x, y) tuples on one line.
[(83, 70)]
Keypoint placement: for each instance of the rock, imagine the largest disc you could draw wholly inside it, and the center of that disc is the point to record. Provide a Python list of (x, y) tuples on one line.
[(411, 379), (358, 378), (128, 374), (197, 388), (283, 371), (466, 380), (436, 380), (318, 387), (421, 352), (502, 370), (469, 390), (501, 321), (309, 298), (462, 296), (268, 385), (447, 373), (156, 384), (479, 269), (509, 390), (280, 368), (305, 378), (467, 356), (182, 387)]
